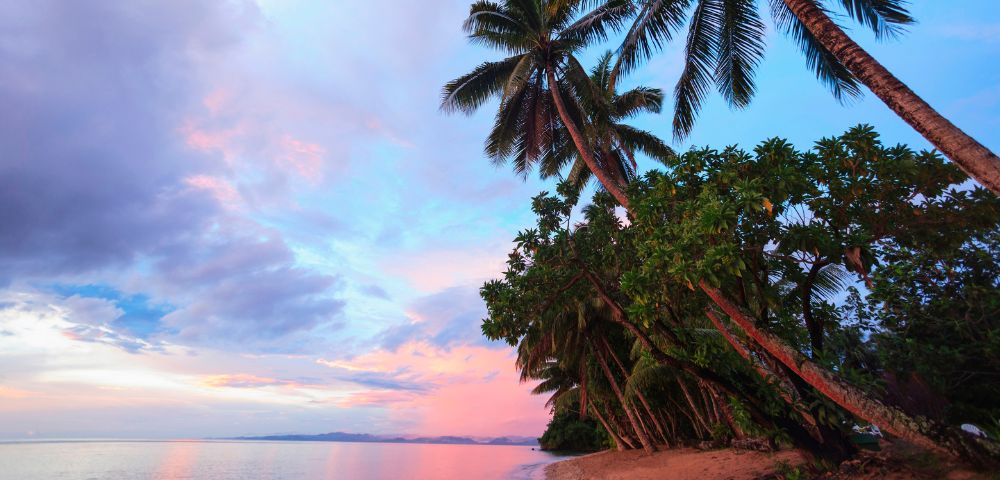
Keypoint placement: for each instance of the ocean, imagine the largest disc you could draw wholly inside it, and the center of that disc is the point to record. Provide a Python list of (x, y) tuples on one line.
[(239, 460)]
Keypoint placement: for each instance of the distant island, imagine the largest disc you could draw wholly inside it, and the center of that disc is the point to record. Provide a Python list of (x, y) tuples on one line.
[(368, 438)]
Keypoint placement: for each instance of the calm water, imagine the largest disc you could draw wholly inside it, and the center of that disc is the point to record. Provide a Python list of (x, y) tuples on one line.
[(211, 460)]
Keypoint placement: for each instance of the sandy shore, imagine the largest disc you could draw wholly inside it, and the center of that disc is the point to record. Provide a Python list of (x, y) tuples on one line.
[(678, 464)]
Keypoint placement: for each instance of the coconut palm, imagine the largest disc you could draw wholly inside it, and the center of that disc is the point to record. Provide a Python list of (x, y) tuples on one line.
[(614, 142), (725, 44), (541, 38)]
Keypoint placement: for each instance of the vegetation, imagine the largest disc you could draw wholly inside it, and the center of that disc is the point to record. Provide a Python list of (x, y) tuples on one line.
[(567, 432), (609, 317), (778, 293)]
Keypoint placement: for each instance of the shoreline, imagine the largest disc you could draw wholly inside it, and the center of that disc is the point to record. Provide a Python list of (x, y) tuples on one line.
[(681, 463)]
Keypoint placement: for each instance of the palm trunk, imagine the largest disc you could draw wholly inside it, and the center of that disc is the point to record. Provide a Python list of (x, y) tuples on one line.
[(695, 427), (642, 423), (710, 406), (672, 423), (919, 431), (647, 445), (785, 389), (638, 392), (694, 407), (813, 325), (970, 155), (727, 415), (614, 436), (655, 421), (581, 144)]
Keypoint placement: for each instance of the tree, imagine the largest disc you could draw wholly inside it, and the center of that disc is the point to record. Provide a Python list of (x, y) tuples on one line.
[(939, 318), (744, 228), (567, 432), (725, 44), (558, 301), (614, 142), (541, 37)]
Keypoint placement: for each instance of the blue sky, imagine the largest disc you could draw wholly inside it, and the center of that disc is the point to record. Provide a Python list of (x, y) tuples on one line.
[(247, 217)]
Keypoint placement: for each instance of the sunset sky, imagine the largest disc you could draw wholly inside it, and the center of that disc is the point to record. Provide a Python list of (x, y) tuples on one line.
[(224, 218)]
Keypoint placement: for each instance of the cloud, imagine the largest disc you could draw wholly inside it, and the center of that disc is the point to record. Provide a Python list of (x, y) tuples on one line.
[(375, 291), (244, 290), (106, 178), (188, 187), (460, 383), (91, 167), (449, 318), (245, 380)]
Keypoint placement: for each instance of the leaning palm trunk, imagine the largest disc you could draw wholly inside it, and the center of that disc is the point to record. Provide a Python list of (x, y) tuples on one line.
[(970, 155), (638, 393), (919, 431), (581, 144), (785, 389), (619, 443), (694, 407), (652, 416), (647, 445)]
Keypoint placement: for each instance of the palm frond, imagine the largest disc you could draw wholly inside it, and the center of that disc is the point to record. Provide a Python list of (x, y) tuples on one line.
[(639, 99), (831, 281), (490, 24), (741, 49), (841, 82), (596, 25), (530, 11), (645, 142), (654, 25), (885, 18), (701, 52), (470, 91), (500, 143)]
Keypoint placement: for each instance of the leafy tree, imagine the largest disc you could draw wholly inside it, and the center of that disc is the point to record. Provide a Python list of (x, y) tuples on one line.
[(567, 432), (623, 318), (939, 315), (725, 44), (757, 232)]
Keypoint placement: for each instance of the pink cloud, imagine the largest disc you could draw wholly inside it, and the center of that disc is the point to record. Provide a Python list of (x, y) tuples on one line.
[(15, 393), (375, 398), (220, 188), (243, 380), (304, 158), (216, 99), (435, 270), (472, 390), (224, 141)]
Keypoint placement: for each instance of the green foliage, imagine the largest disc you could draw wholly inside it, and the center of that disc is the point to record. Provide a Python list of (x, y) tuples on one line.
[(566, 432), (869, 258), (940, 314), (787, 471)]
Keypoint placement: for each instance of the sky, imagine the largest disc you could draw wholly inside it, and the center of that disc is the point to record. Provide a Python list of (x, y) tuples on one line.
[(239, 217)]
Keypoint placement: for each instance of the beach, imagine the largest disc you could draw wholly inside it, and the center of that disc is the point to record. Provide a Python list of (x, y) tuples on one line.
[(679, 464)]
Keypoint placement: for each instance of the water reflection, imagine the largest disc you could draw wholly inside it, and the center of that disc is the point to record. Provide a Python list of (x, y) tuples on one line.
[(178, 461), (209, 460)]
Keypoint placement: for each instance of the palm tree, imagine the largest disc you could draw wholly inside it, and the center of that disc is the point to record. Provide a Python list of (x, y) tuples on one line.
[(614, 142), (541, 37), (725, 44)]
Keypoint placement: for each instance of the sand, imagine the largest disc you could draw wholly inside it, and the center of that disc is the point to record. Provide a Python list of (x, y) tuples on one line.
[(676, 464)]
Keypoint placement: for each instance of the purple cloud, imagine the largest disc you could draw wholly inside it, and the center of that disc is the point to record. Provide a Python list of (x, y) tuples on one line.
[(445, 319), (98, 182)]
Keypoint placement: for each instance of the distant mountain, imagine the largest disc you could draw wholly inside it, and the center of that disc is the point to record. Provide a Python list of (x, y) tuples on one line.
[(367, 438)]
